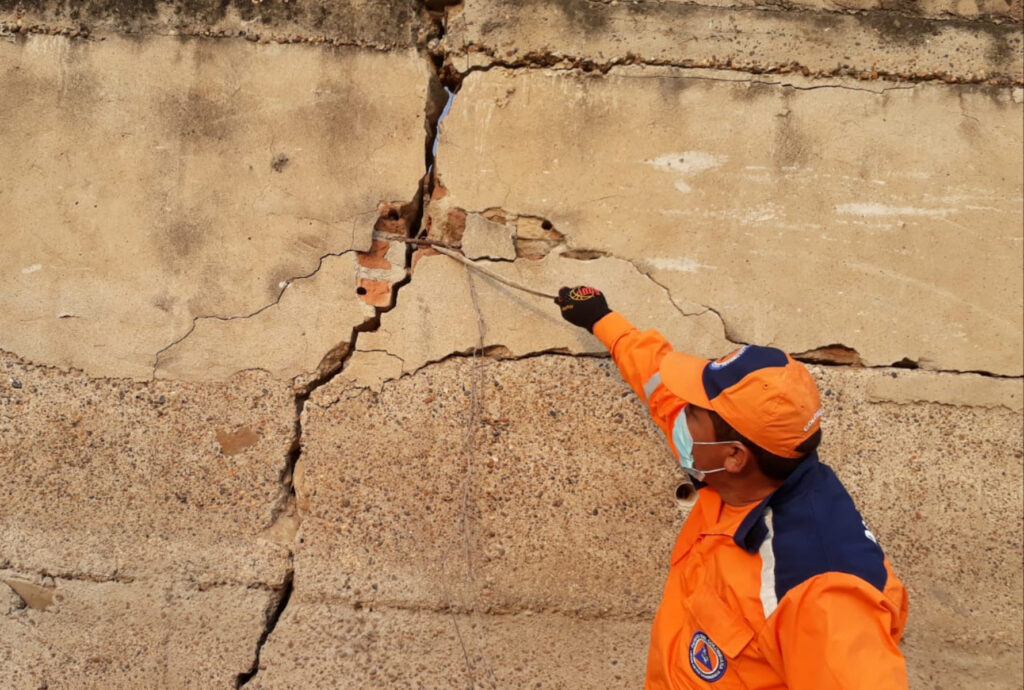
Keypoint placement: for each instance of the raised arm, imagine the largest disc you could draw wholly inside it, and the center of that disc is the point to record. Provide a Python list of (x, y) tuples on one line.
[(637, 354)]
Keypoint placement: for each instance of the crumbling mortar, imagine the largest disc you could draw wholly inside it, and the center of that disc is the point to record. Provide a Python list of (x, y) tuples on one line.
[(72, 576), (490, 610), (565, 63)]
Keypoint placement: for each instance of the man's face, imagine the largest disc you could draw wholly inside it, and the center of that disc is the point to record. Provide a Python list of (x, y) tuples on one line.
[(706, 457)]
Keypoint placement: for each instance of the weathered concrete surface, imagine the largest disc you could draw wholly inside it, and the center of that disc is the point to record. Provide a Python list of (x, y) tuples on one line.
[(390, 24), (807, 215), (486, 521), (130, 635), (967, 390), (389, 648), (486, 239), (520, 481), (942, 9), (423, 328), (111, 480), (314, 316), (151, 182), (876, 43), (491, 488)]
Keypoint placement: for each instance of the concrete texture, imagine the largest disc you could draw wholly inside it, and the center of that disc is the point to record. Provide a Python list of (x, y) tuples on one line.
[(485, 239), (256, 434), (866, 45), (883, 228), (112, 480), (121, 635), (961, 390), (450, 651), (502, 459), (153, 182)]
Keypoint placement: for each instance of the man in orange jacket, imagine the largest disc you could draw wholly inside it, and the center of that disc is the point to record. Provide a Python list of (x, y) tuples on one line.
[(775, 581)]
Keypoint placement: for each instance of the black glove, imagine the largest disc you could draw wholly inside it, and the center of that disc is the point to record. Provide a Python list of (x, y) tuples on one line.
[(582, 306)]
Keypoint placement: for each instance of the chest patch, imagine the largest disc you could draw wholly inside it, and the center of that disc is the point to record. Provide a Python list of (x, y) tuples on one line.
[(706, 659)]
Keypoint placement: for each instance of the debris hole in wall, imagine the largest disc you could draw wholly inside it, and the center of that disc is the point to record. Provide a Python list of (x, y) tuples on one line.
[(831, 355)]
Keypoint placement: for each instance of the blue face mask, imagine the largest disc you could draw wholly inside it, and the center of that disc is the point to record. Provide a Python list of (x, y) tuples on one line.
[(684, 445)]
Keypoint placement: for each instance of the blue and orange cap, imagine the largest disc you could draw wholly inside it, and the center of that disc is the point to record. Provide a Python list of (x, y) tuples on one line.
[(761, 392)]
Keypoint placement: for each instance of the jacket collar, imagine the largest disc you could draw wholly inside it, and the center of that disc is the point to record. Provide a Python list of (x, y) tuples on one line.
[(753, 530)]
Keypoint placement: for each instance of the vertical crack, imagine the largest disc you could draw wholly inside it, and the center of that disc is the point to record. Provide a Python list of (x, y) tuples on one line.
[(286, 509), (273, 613)]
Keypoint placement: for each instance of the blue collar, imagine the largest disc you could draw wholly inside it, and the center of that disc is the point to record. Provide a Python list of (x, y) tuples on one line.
[(752, 531)]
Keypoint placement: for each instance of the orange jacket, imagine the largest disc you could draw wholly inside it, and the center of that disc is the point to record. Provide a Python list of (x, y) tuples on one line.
[(793, 592)]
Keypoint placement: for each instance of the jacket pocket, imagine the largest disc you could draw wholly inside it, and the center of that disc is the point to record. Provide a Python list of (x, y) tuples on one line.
[(714, 651), (726, 627)]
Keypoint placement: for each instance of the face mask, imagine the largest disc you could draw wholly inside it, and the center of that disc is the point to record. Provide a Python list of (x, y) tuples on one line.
[(684, 445)]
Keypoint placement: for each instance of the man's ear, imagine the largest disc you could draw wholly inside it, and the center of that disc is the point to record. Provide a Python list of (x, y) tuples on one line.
[(739, 459)]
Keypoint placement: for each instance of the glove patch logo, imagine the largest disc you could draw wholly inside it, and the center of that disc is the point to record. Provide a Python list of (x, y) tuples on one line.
[(706, 659), (580, 294)]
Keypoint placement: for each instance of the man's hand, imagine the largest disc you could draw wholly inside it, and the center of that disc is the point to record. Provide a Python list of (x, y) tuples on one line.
[(582, 306)]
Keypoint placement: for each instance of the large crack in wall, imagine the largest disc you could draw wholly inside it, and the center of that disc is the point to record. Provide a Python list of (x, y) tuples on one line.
[(333, 363)]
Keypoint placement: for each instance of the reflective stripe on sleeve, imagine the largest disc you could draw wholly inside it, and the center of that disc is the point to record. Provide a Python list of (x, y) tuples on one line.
[(769, 601), (651, 385)]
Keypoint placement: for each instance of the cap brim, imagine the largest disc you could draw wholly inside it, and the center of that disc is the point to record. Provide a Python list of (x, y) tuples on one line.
[(683, 375)]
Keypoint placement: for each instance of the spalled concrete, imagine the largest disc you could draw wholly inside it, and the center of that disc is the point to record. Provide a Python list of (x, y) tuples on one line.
[(152, 182), (425, 329), (807, 215), (485, 239)]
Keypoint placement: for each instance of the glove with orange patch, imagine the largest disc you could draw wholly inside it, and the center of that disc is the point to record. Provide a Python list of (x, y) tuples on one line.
[(582, 306)]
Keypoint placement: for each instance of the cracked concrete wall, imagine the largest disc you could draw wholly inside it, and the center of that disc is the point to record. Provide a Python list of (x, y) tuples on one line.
[(256, 432)]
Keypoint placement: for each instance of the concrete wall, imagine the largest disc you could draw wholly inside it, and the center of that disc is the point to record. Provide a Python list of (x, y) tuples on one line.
[(252, 436)]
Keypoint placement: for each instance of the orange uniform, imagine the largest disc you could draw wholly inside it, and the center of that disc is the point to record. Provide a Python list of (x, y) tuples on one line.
[(792, 592)]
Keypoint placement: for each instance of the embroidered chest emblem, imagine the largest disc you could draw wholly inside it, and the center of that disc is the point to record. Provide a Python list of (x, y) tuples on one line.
[(706, 659)]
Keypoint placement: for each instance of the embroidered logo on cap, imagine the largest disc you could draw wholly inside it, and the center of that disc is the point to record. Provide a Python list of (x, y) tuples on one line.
[(728, 359), (706, 659)]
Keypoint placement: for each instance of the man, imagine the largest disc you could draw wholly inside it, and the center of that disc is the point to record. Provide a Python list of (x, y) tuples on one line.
[(775, 581)]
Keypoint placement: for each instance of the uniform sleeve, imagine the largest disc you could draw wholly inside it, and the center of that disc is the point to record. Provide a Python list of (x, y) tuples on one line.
[(837, 632), (638, 355)]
